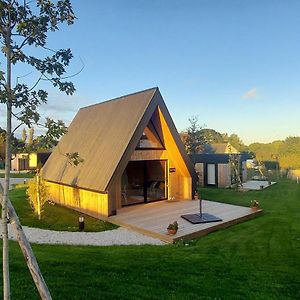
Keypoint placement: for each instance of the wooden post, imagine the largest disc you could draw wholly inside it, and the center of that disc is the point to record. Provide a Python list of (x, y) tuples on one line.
[(27, 251)]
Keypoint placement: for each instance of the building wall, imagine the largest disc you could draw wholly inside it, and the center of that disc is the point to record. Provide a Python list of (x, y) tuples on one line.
[(90, 203), (15, 164), (20, 162), (224, 175), (244, 171), (199, 167), (103, 205), (32, 160), (180, 185)]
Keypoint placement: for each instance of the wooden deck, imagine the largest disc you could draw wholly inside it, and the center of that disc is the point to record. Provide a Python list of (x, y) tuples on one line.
[(152, 219)]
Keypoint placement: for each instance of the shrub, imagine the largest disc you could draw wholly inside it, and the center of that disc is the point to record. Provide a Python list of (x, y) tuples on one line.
[(37, 193)]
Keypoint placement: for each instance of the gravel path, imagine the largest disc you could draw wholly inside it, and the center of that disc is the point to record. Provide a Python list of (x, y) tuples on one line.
[(120, 236)]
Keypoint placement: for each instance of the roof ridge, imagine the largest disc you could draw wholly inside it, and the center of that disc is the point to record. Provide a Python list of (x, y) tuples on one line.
[(118, 98)]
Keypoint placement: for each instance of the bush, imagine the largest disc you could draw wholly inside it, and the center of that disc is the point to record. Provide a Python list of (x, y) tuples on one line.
[(37, 193)]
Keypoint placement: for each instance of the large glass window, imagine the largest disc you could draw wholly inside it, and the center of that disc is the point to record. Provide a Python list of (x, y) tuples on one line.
[(150, 138)]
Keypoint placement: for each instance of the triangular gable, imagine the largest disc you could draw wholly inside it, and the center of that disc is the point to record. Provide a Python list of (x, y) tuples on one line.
[(157, 110), (231, 150)]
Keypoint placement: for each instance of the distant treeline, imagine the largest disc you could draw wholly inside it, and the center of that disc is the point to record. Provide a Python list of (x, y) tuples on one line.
[(285, 153)]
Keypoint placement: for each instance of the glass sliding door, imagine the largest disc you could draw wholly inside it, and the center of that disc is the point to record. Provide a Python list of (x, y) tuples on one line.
[(156, 180), (133, 180), (144, 181)]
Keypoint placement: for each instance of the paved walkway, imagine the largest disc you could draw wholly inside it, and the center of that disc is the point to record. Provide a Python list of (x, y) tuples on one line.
[(256, 184)]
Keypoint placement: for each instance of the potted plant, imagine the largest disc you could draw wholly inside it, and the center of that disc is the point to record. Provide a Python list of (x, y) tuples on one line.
[(172, 228), (254, 205)]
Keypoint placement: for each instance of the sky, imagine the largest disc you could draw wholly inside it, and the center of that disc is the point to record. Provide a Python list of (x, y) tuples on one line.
[(235, 64)]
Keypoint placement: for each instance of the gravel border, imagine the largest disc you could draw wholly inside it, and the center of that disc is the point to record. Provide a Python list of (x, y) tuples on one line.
[(120, 236)]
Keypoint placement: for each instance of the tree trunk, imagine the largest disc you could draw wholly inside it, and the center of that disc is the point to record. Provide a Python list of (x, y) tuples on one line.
[(27, 252), (6, 281)]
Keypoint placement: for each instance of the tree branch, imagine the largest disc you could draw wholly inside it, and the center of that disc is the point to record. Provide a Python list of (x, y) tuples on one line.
[(18, 77), (16, 128), (49, 49), (37, 82), (66, 77)]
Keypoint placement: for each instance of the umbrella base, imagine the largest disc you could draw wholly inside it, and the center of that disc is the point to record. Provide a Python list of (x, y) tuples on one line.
[(204, 218)]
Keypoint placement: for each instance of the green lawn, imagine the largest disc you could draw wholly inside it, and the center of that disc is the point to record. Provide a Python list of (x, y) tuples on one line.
[(54, 217), (257, 259), (18, 175)]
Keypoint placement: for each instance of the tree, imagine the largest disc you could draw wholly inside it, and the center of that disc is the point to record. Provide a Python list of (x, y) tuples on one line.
[(37, 193), (2, 143), (236, 142), (285, 153), (289, 153), (210, 136), (24, 136), (193, 140), (266, 151), (25, 25), (53, 134), (14, 142), (30, 137)]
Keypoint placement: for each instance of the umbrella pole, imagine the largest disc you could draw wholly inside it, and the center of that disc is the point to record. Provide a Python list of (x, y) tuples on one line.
[(200, 206)]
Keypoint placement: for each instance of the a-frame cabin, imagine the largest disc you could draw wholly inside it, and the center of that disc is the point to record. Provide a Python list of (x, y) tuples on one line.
[(132, 154)]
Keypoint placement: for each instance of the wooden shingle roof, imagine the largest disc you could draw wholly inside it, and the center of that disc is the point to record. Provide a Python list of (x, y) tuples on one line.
[(102, 134)]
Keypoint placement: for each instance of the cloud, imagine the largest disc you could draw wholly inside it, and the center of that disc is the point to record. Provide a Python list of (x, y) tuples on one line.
[(59, 107), (251, 94), (62, 107), (61, 104)]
